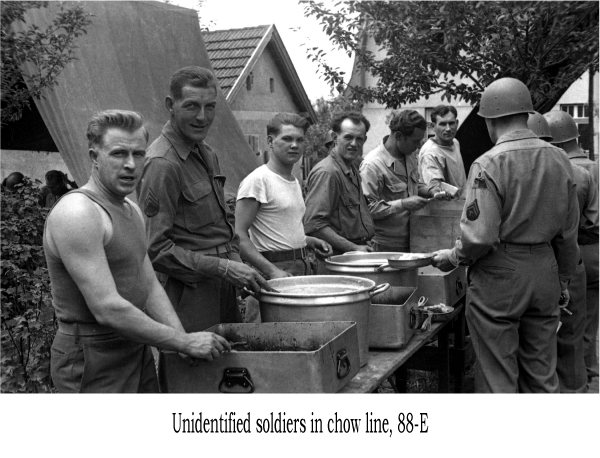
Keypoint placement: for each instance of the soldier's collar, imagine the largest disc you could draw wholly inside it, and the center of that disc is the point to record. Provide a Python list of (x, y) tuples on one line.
[(182, 147), (516, 135), (388, 159), (342, 165)]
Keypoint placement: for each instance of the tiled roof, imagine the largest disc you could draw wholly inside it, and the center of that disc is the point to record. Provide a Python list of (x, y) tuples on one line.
[(230, 52)]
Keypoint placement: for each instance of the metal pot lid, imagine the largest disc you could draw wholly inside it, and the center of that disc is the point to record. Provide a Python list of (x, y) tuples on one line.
[(319, 286)]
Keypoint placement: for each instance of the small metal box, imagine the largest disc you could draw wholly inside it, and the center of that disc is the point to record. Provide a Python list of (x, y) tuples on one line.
[(393, 323), (445, 287)]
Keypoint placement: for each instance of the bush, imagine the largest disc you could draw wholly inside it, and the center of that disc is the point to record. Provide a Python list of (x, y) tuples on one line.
[(28, 324)]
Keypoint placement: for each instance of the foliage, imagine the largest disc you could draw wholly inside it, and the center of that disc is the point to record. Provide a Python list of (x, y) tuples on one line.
[(457, 48), (326, 111), (47, 50), (27, 325)]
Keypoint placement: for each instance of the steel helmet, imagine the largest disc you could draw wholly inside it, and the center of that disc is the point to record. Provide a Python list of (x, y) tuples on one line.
[(506, 96), (538, 124), (562, 126)]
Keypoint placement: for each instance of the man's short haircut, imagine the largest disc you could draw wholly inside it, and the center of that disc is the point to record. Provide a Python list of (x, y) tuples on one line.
[(286, 119), (354, 116), (442, 110), (129, 121), (191, 76), (406, 121)]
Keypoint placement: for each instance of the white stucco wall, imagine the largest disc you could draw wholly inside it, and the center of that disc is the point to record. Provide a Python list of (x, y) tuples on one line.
[(577, 94), (377, 114)]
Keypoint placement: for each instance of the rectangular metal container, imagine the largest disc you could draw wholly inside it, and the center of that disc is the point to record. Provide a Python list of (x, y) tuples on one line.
[(445, 287), (435, 227), (393, 324), (316, 357)]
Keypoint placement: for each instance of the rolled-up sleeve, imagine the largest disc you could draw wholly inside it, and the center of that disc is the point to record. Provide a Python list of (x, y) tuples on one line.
[(159, 193), (321, 200), (431, 169)]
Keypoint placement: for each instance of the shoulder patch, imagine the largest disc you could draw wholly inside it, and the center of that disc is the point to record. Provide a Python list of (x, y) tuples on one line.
[(151, 204), (473, 211)]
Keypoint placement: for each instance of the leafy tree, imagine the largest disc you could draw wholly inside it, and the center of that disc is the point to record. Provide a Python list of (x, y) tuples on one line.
[(49, 51), (27, 319), (457, 48)]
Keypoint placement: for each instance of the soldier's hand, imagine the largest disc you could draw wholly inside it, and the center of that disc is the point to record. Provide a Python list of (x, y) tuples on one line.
[(320, 247), (565, 297), (441, 260), (205, 345), (363, 248), (278, 273), (414, 203), (242, 275)]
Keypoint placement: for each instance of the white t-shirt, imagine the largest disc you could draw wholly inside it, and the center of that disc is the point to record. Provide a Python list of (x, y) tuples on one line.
[(278, 223)]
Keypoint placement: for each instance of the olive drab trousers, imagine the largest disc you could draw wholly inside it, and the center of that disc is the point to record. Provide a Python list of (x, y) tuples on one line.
[(105, 363), (570, 365), (589, 253), (513, 313)]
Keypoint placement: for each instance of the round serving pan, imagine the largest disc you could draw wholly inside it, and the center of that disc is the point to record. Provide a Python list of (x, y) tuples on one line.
[(322, 298), (409, 260), (374, 266)]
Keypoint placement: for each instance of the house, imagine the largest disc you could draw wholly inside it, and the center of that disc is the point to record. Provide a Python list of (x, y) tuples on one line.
[(258, 80)]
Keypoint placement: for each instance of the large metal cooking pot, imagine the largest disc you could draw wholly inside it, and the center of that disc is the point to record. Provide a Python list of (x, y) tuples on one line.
[(368, 265), (322, 298)]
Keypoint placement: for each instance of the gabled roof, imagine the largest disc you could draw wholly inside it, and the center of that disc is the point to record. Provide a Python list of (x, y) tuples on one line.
[(233, 54)]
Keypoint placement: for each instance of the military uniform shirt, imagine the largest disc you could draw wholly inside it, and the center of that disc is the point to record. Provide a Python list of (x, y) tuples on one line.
[(386, 179), (522, 192), (182, 196), (587, 196), (335, 199), (582, 160)]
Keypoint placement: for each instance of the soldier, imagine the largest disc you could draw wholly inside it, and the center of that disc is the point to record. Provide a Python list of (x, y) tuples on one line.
[(511, 221), (570, 365), (108, 302), (391, 182), (564, 131), (190, 228), (336, 208), (440, 160)]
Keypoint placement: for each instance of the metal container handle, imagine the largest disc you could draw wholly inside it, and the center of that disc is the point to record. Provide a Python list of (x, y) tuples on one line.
[(236, 376), (382, 267), (413, 318), (379, 289), (343, 364)]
